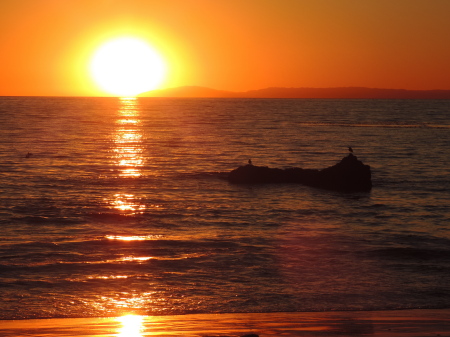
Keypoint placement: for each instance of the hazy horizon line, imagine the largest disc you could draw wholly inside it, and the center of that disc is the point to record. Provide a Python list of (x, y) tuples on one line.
[(299, 92), (348, 92)]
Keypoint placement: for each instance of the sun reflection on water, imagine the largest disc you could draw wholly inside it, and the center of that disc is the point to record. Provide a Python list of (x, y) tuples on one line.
[(127, 202), (128, 159), (132, 326), (126, 238), (128, 140), (127, 155), (133, 237)]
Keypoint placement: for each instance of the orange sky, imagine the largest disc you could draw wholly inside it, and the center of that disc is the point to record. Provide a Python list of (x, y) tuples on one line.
[(235, 45)]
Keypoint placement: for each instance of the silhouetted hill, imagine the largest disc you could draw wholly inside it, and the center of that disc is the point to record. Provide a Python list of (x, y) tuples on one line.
[(189, 91), (348, 92)]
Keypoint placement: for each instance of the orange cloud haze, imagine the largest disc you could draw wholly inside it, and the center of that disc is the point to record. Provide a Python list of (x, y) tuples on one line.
[(232, 45)]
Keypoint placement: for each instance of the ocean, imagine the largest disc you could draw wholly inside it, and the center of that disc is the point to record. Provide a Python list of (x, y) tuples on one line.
[(112, 206)]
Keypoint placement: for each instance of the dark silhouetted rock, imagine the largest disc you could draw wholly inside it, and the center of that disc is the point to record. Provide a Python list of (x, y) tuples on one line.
[(350, 174)]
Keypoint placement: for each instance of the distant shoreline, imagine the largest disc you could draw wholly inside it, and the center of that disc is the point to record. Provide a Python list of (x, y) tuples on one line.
[(284, 93), (322, 93)]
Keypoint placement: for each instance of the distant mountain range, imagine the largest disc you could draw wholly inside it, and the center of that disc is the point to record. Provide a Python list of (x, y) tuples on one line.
[(347, 92)]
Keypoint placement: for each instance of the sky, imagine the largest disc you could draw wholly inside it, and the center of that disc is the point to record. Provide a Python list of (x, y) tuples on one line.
[(47, 46)]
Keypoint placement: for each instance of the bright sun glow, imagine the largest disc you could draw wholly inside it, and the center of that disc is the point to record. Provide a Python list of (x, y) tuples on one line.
[(132, 326), (127, 67)]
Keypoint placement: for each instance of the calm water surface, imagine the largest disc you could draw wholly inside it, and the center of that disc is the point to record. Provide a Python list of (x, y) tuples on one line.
[(121, 207)]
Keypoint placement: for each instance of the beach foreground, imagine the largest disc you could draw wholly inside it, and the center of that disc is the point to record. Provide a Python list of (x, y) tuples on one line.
[(405, 323)]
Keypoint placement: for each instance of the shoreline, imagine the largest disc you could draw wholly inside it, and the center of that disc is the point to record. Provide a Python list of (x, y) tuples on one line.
[(404, 323)]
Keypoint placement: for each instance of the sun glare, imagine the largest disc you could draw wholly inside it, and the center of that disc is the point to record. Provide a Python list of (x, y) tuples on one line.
[(127, 67), (132, 326)]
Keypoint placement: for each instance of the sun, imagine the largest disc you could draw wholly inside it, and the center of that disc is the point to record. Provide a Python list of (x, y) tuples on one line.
[(127, 66)]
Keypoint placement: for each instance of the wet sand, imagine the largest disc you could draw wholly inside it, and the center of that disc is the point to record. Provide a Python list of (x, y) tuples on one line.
[(404, 323)]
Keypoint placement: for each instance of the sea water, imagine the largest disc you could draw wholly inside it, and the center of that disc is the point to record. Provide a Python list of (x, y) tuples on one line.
[(110, 206)]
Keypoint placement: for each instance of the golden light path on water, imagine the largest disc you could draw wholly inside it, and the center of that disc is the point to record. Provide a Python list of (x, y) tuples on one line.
[(128, 154), (128, 139), (132, 326), (127, 160)]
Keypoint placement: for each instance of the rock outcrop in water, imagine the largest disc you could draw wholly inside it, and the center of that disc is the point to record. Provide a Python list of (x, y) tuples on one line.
[(350, 174)]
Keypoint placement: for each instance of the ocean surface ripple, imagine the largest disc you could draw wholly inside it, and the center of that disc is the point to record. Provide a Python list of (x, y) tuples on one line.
[(120, 207)]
